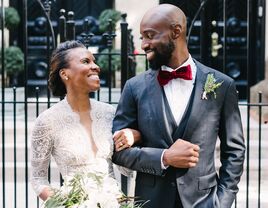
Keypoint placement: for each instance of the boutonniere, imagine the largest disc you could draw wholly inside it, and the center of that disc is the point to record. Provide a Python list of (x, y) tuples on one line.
[(210, 86)]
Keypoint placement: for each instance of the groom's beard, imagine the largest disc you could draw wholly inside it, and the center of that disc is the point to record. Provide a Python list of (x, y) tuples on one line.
[(162, 55)]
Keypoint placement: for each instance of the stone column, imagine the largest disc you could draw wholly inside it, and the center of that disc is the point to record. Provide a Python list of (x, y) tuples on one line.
[(265, 91)]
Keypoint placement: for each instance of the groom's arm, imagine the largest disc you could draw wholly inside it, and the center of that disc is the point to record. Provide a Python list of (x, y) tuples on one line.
[(142, 159), (181, 154), (232, 148)]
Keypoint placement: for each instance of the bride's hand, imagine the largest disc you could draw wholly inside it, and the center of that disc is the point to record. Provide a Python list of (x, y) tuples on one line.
[(46, 192), (125, 138)]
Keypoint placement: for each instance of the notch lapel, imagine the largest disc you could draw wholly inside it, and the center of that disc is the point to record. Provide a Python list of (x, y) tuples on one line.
[(156, 99), (198, 105)]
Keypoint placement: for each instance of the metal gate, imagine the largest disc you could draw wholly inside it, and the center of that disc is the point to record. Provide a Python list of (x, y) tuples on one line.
[(225, 34)]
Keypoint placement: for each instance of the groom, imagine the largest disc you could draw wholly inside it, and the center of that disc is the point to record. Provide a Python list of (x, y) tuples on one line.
[(180, 114)]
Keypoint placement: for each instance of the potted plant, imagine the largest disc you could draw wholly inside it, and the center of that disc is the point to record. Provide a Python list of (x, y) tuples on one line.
[(14, 57), (14, 64), (12, 18), (104, 17), (103, 59)]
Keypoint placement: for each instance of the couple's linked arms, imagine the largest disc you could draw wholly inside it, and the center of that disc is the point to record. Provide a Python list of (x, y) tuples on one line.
[(182, 154)]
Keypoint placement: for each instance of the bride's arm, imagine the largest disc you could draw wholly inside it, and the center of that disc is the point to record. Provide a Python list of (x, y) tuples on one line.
[(41, 147), (125, 138)]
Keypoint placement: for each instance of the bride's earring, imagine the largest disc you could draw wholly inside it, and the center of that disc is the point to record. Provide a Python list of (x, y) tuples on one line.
[(63, 75)]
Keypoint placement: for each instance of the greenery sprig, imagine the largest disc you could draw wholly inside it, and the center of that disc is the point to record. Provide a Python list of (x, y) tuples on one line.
[(90, 190), (210, 86)]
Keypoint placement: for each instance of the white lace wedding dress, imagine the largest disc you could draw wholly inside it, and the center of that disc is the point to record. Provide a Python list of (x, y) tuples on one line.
[(58, 133)]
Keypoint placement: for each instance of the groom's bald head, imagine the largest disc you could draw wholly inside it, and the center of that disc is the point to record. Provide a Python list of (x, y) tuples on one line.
[(168, 15)]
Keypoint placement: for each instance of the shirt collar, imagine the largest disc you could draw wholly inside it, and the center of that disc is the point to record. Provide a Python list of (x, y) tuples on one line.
[(187, 62)]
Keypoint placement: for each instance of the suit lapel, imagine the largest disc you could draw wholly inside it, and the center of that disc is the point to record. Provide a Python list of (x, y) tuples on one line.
[(198, 105), (156, 98)]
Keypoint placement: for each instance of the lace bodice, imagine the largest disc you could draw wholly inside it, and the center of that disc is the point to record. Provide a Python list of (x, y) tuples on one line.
[(59, 133)]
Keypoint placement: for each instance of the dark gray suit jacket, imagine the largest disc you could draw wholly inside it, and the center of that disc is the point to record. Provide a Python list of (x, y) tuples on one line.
[(142, 107)]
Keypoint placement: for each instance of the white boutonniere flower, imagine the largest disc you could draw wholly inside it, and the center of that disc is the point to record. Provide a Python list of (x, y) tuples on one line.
[(210, 86)]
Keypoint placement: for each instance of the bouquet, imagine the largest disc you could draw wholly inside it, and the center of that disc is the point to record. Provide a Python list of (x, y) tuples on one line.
[(90, 190)]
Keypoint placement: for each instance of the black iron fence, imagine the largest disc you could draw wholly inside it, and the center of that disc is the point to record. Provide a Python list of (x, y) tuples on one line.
[(15, 171), (19, 111)]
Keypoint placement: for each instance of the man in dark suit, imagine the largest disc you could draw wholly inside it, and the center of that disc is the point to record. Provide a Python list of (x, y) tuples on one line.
[(180, 107)]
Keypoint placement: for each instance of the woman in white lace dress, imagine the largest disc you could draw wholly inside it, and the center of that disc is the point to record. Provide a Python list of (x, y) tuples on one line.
[(76, 131)]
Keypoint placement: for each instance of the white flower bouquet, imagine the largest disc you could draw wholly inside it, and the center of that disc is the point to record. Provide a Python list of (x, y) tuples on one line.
[(90, 190)]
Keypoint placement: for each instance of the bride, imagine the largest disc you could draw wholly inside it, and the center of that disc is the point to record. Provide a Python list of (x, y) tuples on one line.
[(77, 131)]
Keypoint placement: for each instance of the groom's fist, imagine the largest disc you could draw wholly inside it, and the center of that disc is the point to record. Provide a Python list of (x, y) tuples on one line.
[(181, 154)]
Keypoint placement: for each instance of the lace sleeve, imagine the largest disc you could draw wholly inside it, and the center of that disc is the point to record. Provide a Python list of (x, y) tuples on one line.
[(41, 148)]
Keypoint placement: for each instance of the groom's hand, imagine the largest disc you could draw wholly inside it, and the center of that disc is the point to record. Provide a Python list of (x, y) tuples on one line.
[(181, 154)]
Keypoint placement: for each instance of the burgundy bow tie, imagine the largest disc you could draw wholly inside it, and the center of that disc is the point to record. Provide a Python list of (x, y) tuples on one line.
[(184, 72)]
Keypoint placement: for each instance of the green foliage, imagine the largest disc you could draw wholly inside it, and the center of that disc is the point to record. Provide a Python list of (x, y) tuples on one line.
[(75, 195), (104, 19), (103, 60), (210, 86), (14, 57), (84, 189), (12, 18), (14, 60)]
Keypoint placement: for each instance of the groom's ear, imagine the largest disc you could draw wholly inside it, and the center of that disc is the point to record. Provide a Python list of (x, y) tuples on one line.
[(176, 30)]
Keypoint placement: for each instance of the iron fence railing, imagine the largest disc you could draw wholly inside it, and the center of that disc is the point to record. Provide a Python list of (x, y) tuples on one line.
[(14, 164), (20, 110)]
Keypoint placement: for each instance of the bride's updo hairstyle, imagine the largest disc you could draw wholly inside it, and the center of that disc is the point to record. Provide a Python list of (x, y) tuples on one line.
[(58, 61)]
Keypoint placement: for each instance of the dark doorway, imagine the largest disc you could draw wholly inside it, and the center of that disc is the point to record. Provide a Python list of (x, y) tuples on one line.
[(231, 58)]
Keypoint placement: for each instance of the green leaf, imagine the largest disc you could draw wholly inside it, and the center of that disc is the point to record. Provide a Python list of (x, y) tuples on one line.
[(14, 60), (104, 19), (211, 85), (12, 18)]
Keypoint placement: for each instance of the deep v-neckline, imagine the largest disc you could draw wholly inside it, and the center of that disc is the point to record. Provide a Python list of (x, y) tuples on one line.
[(89, 135)]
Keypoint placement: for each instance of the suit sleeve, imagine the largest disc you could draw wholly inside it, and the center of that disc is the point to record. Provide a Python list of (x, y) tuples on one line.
[(232, 148), (142, 159)]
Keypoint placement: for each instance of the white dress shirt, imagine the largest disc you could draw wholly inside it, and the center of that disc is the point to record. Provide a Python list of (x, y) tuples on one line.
[(178, 92)]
